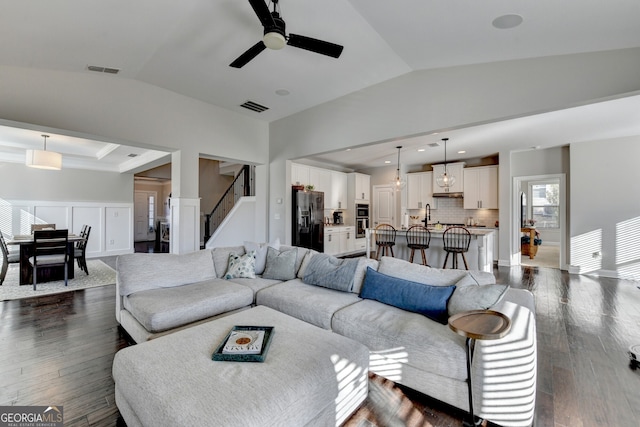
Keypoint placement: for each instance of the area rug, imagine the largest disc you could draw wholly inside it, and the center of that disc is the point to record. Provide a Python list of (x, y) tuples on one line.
[(100, 274), (548, 256)]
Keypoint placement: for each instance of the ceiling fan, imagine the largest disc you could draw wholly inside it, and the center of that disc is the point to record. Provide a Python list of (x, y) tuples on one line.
[(275, 36)]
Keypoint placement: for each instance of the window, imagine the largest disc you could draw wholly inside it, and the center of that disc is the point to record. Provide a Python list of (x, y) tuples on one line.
[(152, 212), (545, 201)]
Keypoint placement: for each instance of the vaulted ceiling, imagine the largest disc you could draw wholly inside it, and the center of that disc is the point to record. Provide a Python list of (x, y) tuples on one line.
[(187, 46)]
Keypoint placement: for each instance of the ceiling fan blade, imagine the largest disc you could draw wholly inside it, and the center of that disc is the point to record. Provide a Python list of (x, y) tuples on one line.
[(251, 53), (315, 45), (261, 9)]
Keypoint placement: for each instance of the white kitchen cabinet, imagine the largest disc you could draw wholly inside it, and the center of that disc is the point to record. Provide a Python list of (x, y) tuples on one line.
[(339, 240), (419, 190), (453, 169), (481, 187), (299, 174), (338, 195), (321, 181), (331, 240), (359, 187), (347, 239)]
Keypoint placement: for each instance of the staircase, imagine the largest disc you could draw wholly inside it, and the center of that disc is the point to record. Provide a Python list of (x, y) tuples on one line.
[(241, 186)]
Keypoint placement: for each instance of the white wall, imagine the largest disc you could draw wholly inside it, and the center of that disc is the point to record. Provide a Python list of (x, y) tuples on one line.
[(120, 110), (69, 198), (18, 181), (435, 100), (605, 207), (127, 111), (111, 223), (238, 227)]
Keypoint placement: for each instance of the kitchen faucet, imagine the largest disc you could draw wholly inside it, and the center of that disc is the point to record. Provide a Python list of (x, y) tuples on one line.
[(427, 214)]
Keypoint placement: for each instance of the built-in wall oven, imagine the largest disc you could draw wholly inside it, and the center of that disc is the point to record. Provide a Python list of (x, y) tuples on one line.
[(362, 219)]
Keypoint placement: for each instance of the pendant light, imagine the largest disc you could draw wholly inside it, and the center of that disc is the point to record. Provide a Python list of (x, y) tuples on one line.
[(445, 180), (398, 182), (43, 159)]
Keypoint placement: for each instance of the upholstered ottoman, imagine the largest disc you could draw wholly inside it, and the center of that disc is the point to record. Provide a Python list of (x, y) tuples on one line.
[(310, 377)]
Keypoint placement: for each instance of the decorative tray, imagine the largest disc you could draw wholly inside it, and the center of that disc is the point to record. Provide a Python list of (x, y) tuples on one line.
[(245, 344)]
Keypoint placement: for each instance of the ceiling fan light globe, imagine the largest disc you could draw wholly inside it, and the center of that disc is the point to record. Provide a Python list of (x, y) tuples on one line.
[(274, 40)]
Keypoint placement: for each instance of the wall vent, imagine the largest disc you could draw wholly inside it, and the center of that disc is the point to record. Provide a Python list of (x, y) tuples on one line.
[(99, 69), (254, 106)]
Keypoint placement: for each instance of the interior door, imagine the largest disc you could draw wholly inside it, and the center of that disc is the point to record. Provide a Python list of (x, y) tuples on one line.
[(144, 211), (384, 205)]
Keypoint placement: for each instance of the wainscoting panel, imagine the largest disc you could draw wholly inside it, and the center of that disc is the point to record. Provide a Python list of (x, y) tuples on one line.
[(111, 223)]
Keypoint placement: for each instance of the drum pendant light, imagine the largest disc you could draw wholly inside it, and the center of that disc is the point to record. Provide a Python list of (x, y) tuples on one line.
[(43, 159)]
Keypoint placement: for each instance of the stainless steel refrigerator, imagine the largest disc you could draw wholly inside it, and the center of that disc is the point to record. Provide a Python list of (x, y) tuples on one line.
[(308, 219)]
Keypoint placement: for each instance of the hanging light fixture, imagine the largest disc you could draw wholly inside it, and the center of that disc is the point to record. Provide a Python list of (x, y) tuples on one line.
[(398, 182), (43, 159), (445, 180)]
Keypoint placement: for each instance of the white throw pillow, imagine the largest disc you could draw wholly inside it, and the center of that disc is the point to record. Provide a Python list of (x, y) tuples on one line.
[(261, 252)]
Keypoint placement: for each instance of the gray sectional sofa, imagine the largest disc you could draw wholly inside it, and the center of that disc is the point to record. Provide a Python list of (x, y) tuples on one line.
[(161, 293)]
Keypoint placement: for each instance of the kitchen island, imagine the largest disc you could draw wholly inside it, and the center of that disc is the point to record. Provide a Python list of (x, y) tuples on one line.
[(479, 256)]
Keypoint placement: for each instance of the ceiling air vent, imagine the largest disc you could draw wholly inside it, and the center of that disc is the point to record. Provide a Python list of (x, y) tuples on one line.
[(132, 155), (103, 69), (254, 106), (434, 144)]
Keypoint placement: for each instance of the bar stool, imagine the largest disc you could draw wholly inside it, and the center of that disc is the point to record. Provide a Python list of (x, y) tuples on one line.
[(385, 239), (456, 241), (418, 238)]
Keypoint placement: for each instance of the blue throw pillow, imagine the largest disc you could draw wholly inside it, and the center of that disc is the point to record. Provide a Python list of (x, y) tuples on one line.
[(430, 301)]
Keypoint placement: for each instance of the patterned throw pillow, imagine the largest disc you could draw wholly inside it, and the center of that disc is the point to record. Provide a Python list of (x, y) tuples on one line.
[(241, 266)]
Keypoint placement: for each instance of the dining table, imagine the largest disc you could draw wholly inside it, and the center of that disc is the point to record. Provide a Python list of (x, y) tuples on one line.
[(45, 274)]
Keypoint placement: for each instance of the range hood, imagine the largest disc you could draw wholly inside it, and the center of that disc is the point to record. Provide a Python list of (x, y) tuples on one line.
[(452, 195)]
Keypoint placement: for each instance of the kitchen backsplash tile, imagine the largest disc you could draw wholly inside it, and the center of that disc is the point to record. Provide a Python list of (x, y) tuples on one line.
[(452, 211)]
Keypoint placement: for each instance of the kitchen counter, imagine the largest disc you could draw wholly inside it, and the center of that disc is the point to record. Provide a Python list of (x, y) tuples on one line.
[(479, 256)]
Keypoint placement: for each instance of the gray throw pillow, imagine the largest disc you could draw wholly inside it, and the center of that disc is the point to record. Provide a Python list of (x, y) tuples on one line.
[(331, 272), (280, 265), (472, 297)]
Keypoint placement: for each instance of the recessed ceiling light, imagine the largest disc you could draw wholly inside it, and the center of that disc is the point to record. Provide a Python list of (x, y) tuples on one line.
[(505, 22), (348, 149), (461, 152), (282, 92), (421, 149), (387, 161)]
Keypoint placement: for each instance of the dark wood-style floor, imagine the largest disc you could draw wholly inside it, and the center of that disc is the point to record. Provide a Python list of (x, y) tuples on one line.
[(58, 350)]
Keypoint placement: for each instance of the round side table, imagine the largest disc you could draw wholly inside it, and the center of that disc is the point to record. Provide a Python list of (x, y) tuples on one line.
[(478, 325)]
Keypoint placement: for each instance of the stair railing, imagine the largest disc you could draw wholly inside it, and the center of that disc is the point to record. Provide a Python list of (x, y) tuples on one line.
[(240, 187)]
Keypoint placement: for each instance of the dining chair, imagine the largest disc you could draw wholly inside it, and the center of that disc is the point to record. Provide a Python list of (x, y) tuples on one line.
[(7, 258), (35, 227), (456, 241), (80, 250), (385, 239), (50, 249), (418, 239)]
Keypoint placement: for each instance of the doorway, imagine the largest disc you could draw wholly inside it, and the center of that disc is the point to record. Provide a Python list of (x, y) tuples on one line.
[(145, 213), (540, 204)]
